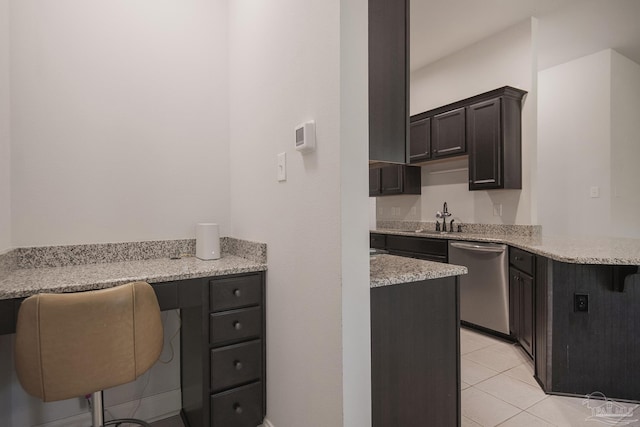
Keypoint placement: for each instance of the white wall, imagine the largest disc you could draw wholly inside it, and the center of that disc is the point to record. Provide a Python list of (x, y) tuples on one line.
[(119, 132), (354, 184), (119, 120), (5, 152), (625, 146), (581, 28), (285, 69), (574, 144), (507, 58), (589, 136)]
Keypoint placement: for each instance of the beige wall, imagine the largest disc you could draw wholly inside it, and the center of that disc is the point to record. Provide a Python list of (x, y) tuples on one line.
[(625, 150), (290, 64), (589, 137), (119, 120), (5, 151), (505, 58), (574, 145)]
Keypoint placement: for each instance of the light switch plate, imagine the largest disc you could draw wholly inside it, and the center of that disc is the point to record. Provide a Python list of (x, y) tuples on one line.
[(594, 192), (497, 209), (282, 167)]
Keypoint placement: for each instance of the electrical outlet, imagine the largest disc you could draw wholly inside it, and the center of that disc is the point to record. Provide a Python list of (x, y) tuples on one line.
[(594, 192), (497, 209), (580, 302)]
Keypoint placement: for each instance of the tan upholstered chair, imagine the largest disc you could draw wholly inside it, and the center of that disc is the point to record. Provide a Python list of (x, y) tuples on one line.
[(70, 345)]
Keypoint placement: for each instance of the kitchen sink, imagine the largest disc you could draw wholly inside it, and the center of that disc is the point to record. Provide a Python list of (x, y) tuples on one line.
[(434, 232)]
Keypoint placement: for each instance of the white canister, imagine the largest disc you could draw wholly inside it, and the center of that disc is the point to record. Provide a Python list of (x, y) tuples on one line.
[(207, 241)]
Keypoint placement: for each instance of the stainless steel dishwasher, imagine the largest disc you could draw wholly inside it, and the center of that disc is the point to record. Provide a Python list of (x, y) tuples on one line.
[(484, 291)]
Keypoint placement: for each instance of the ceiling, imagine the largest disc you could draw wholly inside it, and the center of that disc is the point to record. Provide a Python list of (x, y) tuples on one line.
[(441, 28)]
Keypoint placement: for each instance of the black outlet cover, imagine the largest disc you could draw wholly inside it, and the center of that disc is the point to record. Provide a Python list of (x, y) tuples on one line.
[(581, 302)]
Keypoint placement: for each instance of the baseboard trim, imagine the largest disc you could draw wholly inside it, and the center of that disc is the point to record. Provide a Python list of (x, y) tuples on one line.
[(152, 408)]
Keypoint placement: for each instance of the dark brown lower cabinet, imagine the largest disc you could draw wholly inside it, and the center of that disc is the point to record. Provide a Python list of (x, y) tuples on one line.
[(521, 308), (223, 351), (522, 295), (541, 323), (415, 354)]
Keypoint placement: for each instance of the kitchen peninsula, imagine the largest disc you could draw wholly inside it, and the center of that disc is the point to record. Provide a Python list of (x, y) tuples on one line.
[(415, 342), (583, 310)]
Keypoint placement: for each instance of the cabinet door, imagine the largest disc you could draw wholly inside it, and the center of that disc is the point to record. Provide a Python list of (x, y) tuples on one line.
[(388, 80), (415, 354), (391, 180), (377, 241), (420, 140), (526, 313), (514, 302), (485, 145), (374, 182), (540, 322), (449, 133)]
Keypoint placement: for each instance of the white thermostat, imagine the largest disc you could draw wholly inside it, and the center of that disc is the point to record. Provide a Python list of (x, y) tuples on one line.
[(306, 136)]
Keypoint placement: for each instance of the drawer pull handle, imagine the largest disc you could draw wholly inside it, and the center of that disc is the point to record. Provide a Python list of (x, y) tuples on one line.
[(237, 408), (237, 325), (236, 292), (237, 364)]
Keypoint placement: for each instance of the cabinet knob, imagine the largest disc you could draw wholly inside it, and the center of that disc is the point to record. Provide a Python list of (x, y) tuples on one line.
[(236, 292), (237, 364), (237, 325), (517, 258), (237, 408)]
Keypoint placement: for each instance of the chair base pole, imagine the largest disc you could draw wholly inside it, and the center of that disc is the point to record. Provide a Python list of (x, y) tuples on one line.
[(97, 409)]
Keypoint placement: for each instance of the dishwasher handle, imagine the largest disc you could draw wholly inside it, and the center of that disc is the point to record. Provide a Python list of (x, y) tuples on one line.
[(479, 248)]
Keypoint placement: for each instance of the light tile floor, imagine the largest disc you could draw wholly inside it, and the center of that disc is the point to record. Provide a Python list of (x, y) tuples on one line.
[(498, 389)]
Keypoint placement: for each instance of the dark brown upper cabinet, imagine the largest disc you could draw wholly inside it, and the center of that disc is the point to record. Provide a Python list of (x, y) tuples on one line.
[(487, 127), (375, 177), (388, 81), (420, 140), (494, 142), (449, 134), (394, 179)]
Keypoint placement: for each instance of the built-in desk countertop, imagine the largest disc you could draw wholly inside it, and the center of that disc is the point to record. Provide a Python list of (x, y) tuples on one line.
[(24, 282), (75, 268)]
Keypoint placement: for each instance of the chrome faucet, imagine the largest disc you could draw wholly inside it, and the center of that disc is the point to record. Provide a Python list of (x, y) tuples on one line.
[(444, 215)]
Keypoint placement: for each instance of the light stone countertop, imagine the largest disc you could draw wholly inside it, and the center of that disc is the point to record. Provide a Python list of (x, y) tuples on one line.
[(575, 250), (23, 282), (393, 270)]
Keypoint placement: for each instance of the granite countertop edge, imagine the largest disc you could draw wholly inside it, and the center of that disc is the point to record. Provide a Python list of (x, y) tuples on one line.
[(24, 282), (573, 250), (386, 270)]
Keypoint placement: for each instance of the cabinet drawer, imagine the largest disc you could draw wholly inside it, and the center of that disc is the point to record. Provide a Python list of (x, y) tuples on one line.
[(521, 260), (418, 245), (240, 407), (377, 241), (235, 325), (236, 364), (234, 292)]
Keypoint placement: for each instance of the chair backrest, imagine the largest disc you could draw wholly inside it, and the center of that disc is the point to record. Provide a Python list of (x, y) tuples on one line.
[(73, 344)]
